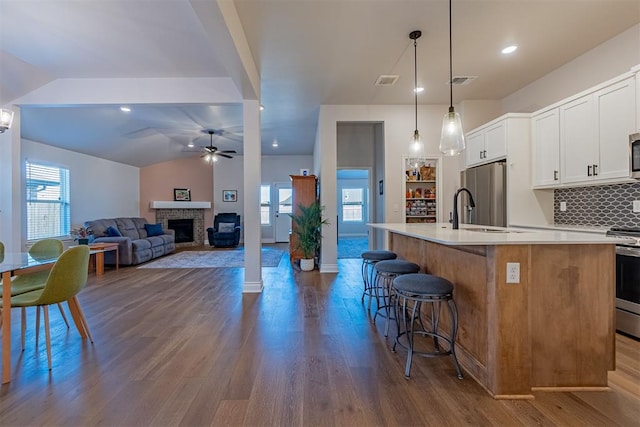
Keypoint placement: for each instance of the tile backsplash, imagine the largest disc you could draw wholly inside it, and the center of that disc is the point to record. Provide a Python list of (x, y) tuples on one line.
[(601, 206)]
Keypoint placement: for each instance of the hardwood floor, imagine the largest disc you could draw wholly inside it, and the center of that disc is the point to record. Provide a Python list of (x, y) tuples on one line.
[(186, 347)]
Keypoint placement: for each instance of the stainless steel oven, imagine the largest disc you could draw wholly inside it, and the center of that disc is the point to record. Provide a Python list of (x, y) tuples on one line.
[(634, 155), (627, 282)]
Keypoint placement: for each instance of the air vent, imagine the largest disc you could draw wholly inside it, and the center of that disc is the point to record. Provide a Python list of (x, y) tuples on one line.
[(463, 80), (387, 80)]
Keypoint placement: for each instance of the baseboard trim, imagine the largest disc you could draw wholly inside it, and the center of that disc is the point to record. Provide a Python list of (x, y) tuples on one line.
[(328, 268), (252, 287)]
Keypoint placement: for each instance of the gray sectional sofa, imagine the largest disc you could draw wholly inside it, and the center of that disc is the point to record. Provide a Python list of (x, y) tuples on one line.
[(138, 242)]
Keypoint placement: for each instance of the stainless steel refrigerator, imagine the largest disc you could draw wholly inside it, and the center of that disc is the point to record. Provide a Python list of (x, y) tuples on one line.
[(488, 185)]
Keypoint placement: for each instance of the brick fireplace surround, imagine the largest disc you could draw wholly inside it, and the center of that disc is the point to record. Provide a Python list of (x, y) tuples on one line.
[(164, 215)]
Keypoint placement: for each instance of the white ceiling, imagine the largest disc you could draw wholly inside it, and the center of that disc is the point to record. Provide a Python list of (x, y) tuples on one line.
[(308, 53)]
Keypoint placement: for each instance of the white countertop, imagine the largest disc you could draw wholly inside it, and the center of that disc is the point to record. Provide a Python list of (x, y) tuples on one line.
[(443, 233), (565, 227)]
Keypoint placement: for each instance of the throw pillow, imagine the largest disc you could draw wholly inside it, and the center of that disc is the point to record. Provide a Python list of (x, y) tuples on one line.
[(226, 227), (113, 232), (154, 229)]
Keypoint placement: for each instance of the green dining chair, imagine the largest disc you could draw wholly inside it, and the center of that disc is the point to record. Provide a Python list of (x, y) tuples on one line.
[(65, 280), (42, 249)]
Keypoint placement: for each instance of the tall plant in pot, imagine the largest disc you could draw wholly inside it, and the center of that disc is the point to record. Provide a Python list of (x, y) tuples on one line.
[(307, 228)]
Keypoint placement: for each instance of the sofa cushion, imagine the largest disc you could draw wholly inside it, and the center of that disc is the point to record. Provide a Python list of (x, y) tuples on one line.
[(113, 232), (140, 244), (154, 229), (99, 226), (226, 227), (128, 228), (155, 241)]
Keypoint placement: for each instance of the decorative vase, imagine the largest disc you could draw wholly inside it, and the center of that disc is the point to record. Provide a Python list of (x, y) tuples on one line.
[(306, 264), (83, 241)]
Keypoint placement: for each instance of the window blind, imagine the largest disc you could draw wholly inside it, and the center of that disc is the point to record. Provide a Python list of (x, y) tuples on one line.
[(47, 201)]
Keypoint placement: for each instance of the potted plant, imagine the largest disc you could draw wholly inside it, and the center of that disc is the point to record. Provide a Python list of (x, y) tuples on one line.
[(81, 234), (307, 228)]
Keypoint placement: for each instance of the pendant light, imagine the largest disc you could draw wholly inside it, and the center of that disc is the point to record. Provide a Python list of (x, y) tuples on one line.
[(416, 145), (452, 137)]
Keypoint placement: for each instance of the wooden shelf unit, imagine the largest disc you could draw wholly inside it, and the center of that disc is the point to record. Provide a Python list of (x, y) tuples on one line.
[(421, 190)]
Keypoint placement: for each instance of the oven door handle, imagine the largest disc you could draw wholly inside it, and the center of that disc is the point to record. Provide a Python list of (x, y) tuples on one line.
[(624, 251)]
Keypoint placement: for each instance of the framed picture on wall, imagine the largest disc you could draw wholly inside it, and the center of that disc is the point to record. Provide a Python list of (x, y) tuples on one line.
[(181, 194), (229, 195)]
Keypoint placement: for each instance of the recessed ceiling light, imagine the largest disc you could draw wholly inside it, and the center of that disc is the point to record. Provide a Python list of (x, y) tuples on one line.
[(419, 89), (190, 144), (274, 143), (125, 109), (509, 49)]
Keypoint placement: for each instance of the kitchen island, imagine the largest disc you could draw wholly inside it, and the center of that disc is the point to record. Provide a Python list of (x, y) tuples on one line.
[(553, 330)]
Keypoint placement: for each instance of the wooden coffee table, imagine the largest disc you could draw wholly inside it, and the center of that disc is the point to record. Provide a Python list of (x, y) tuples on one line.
[(97, 251)]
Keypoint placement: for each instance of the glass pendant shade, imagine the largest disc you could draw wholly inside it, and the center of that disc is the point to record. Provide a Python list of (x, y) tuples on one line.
[(452, 138), (6, 118), (416, 145)]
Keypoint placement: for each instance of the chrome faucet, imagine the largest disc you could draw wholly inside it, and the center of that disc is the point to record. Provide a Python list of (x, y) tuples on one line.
[(472, 204)]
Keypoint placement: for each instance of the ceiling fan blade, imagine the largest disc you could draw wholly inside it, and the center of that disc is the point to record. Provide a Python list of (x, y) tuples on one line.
[(224, 155), (228, 151)]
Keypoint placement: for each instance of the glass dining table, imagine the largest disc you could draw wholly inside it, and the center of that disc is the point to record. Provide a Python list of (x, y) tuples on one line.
[(13, 264)]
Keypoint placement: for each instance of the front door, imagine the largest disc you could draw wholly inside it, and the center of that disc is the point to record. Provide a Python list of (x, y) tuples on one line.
[(284, 196)]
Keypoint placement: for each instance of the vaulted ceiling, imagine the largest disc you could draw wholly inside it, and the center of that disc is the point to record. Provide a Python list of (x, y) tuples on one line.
[(308, 53)]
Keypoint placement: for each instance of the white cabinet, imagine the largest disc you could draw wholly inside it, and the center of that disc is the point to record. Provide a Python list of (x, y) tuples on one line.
[(577, 140), (475, 148), (545, 128), (595, 133), (616, 111), (487, 144), (588, 133)]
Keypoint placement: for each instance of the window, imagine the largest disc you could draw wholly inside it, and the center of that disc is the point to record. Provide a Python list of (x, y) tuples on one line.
[(265, 205), (48, 209), (352, 204)]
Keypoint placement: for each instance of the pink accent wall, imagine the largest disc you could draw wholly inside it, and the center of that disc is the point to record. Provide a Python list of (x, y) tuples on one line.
[(158, 181)]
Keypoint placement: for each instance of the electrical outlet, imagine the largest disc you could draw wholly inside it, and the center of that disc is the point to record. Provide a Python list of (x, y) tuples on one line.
[(636, 206), (563, 206), (513, 272)]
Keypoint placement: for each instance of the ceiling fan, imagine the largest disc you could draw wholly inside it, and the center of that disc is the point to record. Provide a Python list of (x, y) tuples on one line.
[(212, 153)]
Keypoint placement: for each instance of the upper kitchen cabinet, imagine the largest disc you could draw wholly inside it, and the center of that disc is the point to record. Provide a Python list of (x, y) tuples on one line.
[(545, 128), (578, 139), (487, 143), (585, 139), (595, 133)]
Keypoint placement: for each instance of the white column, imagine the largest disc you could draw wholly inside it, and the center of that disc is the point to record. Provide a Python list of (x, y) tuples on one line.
[(252, 179), (11, 186)]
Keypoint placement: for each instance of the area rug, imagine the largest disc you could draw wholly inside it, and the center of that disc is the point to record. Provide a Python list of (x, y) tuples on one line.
[(352, 247), (213, 259)]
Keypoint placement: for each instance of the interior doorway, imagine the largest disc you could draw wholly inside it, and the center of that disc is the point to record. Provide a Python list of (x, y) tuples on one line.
[(284, 196), (353, 203)]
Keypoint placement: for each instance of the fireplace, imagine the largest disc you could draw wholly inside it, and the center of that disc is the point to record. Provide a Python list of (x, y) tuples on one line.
[(183, 229), (194, 215)]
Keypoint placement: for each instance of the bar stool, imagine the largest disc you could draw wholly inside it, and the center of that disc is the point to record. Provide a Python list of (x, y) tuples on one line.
[(418, 289), (386, 271), (369, 259)]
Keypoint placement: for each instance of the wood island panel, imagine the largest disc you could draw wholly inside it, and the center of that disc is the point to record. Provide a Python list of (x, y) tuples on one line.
[(573, 325), (552, 331)]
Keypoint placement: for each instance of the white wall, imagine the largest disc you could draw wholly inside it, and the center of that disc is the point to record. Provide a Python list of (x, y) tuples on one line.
[(98, 188), (228, 175), (608, 60), (398, 128)]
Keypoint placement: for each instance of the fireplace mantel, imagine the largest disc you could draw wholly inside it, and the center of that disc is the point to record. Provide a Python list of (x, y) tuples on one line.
[(179, 205)]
